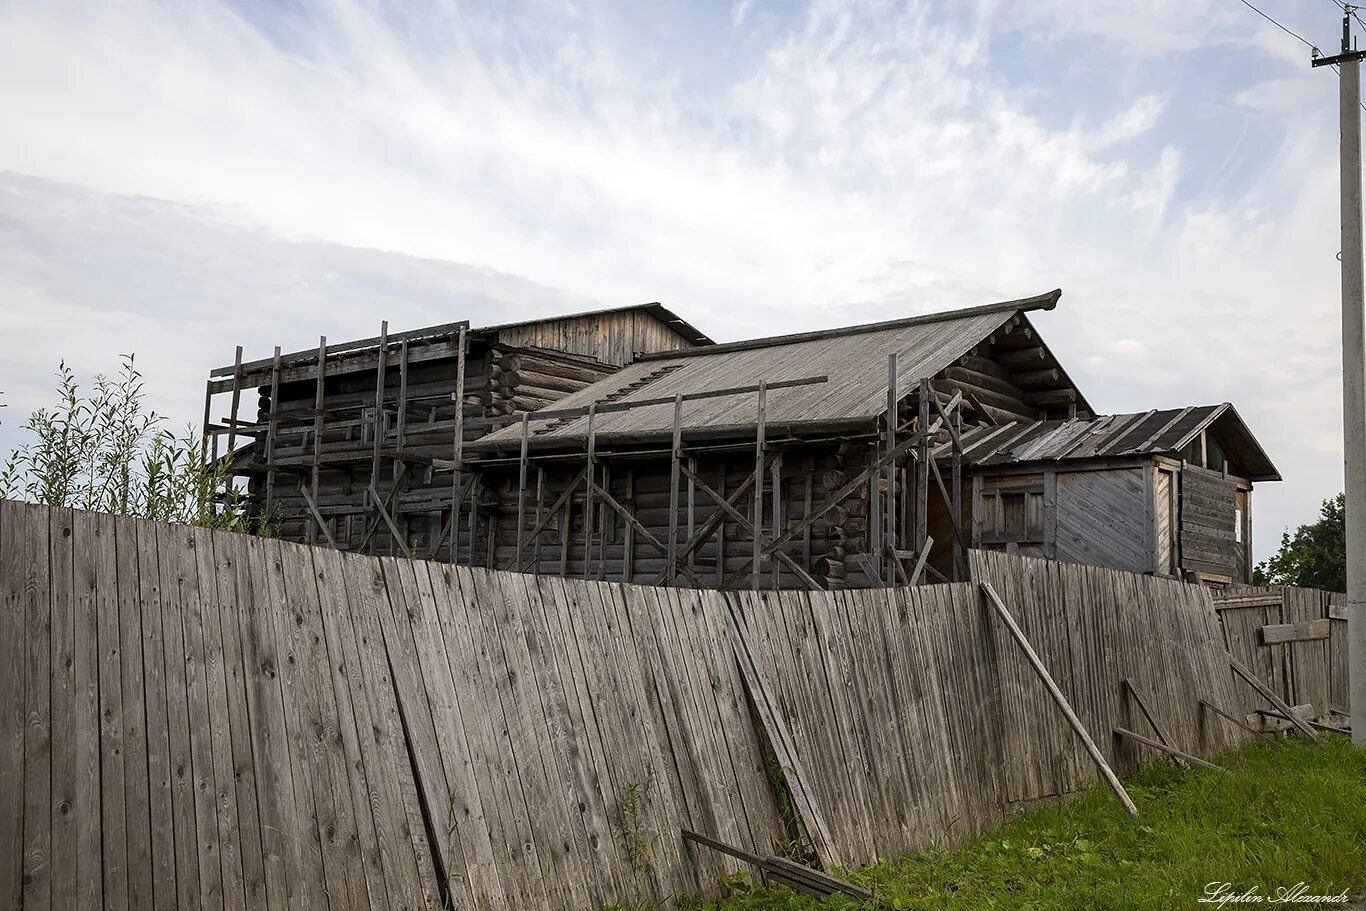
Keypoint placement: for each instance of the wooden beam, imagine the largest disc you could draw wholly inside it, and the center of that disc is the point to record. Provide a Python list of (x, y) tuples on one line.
[(641, 530), (1181, 758), (380, 368), (1051, 397), (1058, 698), (745, 525), (317, 517), (272, 431), (521, 491), (1022, 357), (889, 442), (1236, 721), (388, 520), (550, 514), (798, 877), (759, 483), (1266, 692), (319, 396), (1132, 688), (714, 522), (850, 487), (780, 737), (914, 578), (1304, 631), (675, 466)]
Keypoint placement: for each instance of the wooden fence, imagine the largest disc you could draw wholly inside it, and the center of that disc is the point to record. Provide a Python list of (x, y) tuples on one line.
[(199, 719)]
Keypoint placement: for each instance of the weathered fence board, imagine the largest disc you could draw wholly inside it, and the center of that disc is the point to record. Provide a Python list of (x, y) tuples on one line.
[(195, 718)]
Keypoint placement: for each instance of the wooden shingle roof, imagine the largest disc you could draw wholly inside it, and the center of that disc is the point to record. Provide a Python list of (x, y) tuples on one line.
[(1167, 432), (854, 359)]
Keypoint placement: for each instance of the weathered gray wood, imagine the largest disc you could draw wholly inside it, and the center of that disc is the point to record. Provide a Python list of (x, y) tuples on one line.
[(1183, 757), (94, 585), (1304, 631), (1059, 698), (1242, 670)]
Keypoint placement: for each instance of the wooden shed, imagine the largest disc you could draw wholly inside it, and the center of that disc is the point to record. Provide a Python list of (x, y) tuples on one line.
[(1166, 492)]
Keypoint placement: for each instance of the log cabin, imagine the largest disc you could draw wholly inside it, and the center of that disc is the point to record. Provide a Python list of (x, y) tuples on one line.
[(625, 445)]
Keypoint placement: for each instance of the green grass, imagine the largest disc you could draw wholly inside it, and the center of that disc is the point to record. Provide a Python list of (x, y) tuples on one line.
[(1286, 813)]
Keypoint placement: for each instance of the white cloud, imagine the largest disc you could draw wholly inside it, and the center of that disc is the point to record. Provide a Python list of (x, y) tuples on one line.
[(864, 161)]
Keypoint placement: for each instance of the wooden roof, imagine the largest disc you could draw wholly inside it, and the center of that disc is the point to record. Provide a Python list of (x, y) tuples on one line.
[(854, 359), (1168, 432)]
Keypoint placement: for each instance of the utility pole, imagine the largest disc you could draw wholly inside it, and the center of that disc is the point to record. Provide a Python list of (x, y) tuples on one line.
[(1353, 368)]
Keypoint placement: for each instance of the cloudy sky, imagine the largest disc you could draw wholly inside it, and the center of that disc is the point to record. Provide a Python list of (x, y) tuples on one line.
[(176, 179)]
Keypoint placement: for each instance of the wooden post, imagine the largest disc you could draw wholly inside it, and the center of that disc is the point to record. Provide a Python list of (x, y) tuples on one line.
[(959, 555), (236, 398), (458, 452), (922, 469), (1018, 635), (402, 395), (272, 429), (675, 457), (777, 523), (521, 491), (379, 401), (208, 432), (590, 482), (628, 546), (759, 483), (1180, 757), (319, 397), (720, 527), (889, 545), (692, 506), (540, 503)]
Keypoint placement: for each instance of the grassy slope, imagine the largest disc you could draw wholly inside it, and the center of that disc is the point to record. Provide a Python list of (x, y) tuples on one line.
[(1286, 813)]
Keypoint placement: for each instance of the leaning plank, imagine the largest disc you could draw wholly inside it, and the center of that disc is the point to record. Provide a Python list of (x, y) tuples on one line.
[(799, 876), (1256, 683), (1152, 719), (1304, 631), (781, 739), (1232, 601), (1184, 757), (1059, 698)]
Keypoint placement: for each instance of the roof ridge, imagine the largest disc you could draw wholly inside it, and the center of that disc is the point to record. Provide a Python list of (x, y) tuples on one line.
[(1038, 302)]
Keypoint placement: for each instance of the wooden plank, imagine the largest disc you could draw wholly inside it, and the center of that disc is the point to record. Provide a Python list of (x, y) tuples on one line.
[(350, 778), (382, 745), (813, 816), (1058, 698), (100, 590), (430, 714), (18, 553), (1303, 631), (1256, 683), (36, 604), (206, 629), (233, 675), (281, 693), (160, 766), (1183, 757), (1150, 716), (62, 860), (95, 582), (126, 616)]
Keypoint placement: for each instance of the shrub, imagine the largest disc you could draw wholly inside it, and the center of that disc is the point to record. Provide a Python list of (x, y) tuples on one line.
[(107, 452)]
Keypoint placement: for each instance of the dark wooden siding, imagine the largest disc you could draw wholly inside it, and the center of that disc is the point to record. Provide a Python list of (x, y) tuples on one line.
[(1207, 523), (613, 338), (1103, 520)]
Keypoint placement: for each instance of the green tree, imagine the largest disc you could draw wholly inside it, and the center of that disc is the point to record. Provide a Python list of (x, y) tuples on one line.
[(1315, 556), (106, 451)]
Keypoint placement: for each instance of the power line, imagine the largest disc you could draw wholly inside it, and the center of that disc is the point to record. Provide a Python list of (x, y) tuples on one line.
[(1298, 37), (1345, 7)]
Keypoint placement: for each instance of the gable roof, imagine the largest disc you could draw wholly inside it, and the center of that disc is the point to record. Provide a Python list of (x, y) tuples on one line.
[(361, 353), (854, 360), (1166, 432)]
